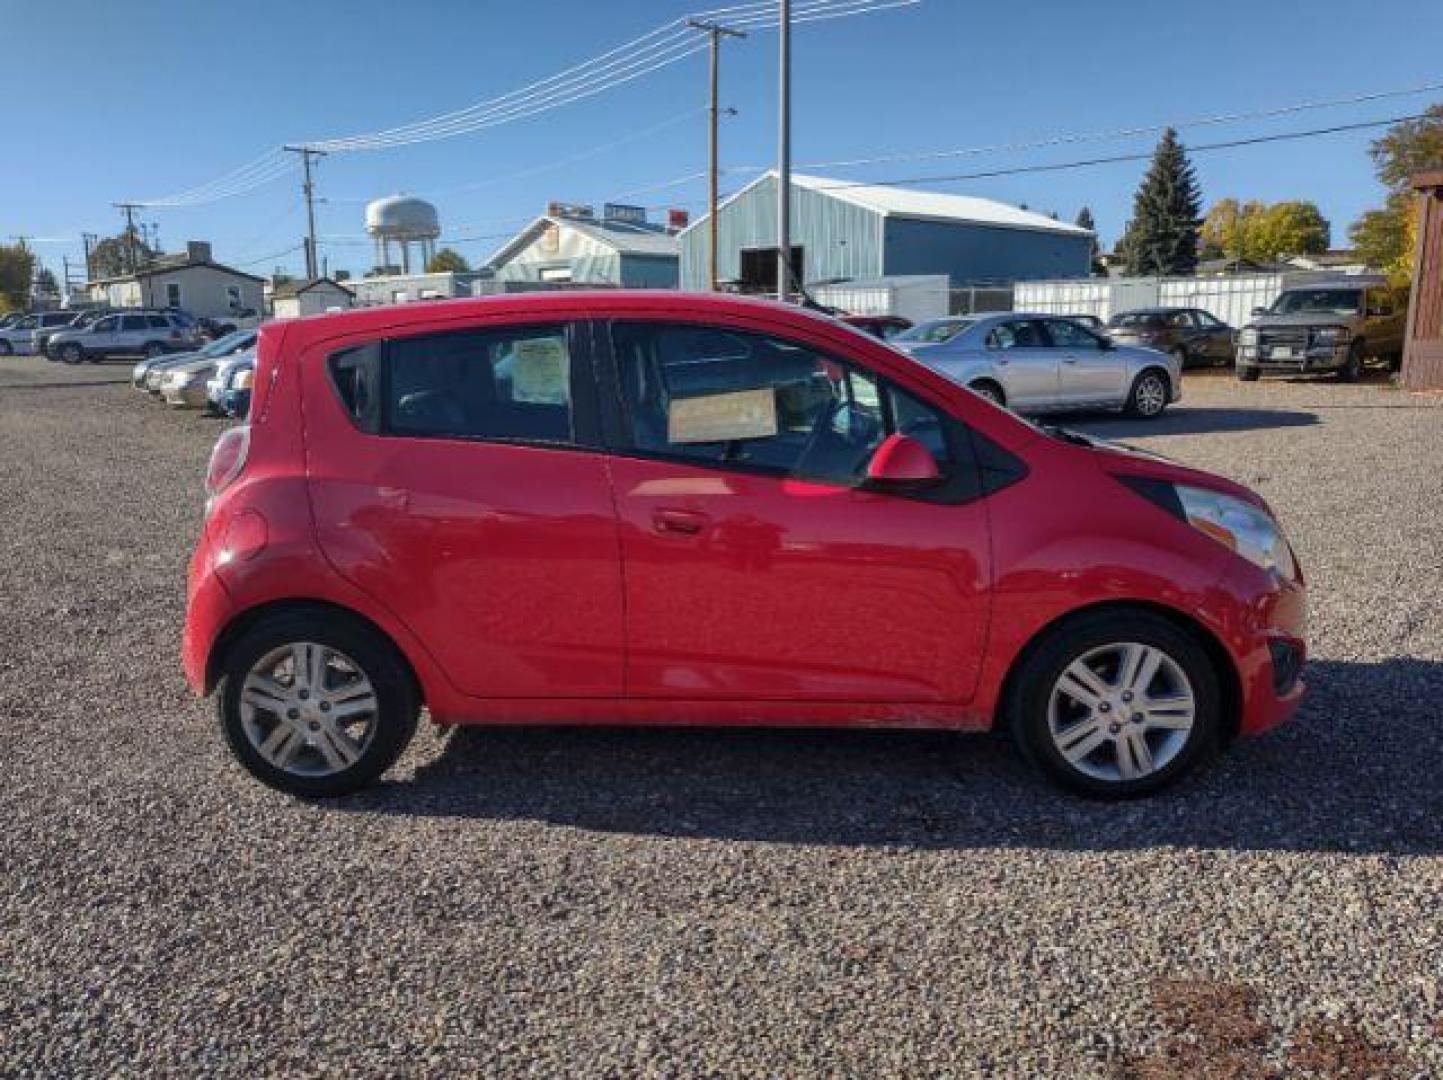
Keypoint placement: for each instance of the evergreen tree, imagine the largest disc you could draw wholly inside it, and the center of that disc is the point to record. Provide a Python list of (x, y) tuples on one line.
[(1162, 237)]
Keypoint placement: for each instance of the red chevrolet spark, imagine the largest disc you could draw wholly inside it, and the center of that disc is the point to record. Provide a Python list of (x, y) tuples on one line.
[(671, 509)]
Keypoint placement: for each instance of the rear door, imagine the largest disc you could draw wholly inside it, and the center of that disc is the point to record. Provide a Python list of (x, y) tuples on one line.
[(457, 478), (1018, 349), (1217, 337), (133, 334), (1091, 373)]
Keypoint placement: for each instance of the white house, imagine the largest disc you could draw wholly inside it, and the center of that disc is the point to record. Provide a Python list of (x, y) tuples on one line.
[(190, 280), (569, 245), (293, 299)]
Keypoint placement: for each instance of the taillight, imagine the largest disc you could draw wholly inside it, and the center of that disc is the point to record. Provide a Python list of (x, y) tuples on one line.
[(227, 459)]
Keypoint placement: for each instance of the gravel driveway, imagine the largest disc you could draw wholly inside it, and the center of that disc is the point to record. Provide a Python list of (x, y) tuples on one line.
[(684, 903)]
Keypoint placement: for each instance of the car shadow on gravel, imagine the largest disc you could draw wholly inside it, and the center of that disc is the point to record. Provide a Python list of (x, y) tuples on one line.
[(1360, 770), (1186, 420)]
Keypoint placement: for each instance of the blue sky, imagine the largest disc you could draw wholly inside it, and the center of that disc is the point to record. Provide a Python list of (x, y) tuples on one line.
[(147, 97)]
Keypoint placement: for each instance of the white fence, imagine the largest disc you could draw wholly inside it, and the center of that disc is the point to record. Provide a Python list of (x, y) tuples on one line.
[(1230, 297)]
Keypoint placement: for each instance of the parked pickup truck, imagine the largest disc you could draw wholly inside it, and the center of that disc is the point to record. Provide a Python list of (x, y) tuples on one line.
[(1329, 327)]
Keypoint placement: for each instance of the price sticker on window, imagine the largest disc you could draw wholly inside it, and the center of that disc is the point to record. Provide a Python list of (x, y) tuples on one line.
[(541, 372), (745, 414)]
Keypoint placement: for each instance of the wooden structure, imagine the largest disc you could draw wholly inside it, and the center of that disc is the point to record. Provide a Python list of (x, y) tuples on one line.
[(1423, 345)]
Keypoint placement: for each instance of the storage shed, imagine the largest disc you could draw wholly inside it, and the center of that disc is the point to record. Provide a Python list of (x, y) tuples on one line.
[(842, 230), (569, 245), (293, 299)]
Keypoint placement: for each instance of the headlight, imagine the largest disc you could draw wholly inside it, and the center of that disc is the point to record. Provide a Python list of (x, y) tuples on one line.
[(1238, 525), (1249, 336), (243, 380)]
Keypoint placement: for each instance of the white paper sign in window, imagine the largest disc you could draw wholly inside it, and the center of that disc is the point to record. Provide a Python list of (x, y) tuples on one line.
[(744, 414), (540, 371)]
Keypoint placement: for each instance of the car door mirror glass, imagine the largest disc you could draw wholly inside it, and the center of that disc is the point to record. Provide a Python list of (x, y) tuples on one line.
[(902, 463)]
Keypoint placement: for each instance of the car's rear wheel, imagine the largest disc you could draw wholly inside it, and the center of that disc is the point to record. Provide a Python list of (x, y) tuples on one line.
[(72, 353), (1116, 704), (986, 388), (316, 705), (1149, 394), (1248, 374), (6, 348)]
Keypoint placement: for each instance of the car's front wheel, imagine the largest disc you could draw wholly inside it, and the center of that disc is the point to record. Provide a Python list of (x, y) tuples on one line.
[(990, 391), (6, 348), (1149, 394), (1116, 704), (1352, 369), (72, 353), (316, 705)]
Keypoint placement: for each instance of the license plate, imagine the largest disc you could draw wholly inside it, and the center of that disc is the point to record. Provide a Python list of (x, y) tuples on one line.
[(1282, 352)]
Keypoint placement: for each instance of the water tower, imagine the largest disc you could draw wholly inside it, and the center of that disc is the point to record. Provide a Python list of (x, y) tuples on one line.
[(402, 220)]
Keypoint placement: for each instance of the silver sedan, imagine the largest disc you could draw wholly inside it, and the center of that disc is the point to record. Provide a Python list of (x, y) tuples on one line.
[(1044, 363)]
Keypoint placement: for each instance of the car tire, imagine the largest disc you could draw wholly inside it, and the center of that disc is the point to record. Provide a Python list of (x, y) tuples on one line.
[(6, 349), (270, 725), (72, 353), (991, 391), (1102, 750), (1248, 374), (153, 349), (1149, 395), (1352, 369)]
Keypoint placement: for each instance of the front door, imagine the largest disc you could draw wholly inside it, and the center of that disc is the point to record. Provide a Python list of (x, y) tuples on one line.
[(1090, 372), (1018, 350), (104, 335), (455, 478), (756, 564)]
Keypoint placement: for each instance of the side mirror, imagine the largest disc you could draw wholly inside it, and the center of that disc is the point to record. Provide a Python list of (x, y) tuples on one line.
[(900, 463), (1260, 311)]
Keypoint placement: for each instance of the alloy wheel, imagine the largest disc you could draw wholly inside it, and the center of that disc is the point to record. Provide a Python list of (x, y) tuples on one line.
[(308, 709), (1121, 712), (1151, 395)]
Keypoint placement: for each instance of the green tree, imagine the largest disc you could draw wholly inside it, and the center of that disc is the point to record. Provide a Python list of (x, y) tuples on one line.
[(17, 269), (1385, 238), (1084, 220), (1162, 237), (45, 281), (111, 258), (447, 261)]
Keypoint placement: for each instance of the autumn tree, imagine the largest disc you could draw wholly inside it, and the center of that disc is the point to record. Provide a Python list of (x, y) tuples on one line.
[(111, 256), (1260, 233), (447, 261), (17, 269), (1385, 238)]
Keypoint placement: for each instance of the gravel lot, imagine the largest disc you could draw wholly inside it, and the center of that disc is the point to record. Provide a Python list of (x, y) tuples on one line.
[(683, 903)]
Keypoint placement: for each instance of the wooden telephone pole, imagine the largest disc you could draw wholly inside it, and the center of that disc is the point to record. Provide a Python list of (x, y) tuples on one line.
[(715, 33)]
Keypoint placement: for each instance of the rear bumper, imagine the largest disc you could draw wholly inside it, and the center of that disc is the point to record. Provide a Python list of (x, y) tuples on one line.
[(208, 609)]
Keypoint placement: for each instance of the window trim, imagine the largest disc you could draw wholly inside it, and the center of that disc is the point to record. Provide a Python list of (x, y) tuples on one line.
[(966, 483), (585, 428)]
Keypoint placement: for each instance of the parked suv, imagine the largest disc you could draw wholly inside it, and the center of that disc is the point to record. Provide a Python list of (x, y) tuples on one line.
[(663, 508), (1194, 337), (20, 336), (40, 337), (130, 333), (1335, 327)]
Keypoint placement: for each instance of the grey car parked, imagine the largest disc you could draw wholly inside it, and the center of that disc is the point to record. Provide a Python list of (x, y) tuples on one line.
[(1325, 327), (1045, 363), (141, 333)]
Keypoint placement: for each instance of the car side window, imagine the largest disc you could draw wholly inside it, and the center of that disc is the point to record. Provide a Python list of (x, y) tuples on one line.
[(1180, 320), (132, 322), (158, 322), (1207, 320), (1066, 334), (107, 324), (735, 398), (505, 384), (1020, 334)]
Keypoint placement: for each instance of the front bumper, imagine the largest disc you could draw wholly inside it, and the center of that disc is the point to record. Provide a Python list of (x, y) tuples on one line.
[(1313, 359), (1267, 637), (235, 403), (185, 396)]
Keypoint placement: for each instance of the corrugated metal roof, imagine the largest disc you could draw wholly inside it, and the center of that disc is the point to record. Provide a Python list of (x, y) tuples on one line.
[(926, 205), (904, 202)]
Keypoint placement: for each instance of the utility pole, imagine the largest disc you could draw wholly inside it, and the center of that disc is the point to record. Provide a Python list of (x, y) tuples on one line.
[(309, 190), (129, 209), (715, 32), (88, 241), (784, 149)]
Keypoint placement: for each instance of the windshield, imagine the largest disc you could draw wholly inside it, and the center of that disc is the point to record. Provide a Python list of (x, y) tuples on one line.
[(228, 344), (935, 332), (1329, 301)]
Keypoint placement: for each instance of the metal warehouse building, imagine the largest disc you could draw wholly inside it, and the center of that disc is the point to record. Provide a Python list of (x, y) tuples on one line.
[(569, 245), (841, 230)]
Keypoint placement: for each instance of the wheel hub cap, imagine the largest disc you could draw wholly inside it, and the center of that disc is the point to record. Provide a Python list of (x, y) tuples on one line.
[(308, 709)]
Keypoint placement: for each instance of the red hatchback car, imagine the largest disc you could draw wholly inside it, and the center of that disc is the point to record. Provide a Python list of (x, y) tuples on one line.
[(671, 509)]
